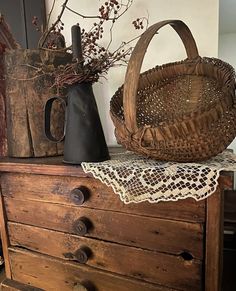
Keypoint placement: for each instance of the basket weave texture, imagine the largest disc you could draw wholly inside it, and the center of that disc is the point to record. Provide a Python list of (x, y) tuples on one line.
[(183, 111)]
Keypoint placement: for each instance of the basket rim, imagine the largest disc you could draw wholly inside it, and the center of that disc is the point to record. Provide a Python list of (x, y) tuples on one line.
[(227, 87), (203, 60)]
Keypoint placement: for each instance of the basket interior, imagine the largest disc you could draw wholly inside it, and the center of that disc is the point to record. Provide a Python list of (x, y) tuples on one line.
[(173, 100), (161, 99)]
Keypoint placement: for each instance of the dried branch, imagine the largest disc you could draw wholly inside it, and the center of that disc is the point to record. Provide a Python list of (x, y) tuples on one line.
[(50, 13), (48, 31), (97, 59), (127, 6)]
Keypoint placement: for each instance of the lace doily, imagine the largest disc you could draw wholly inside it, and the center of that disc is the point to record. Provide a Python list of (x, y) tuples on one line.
[(136, 178)]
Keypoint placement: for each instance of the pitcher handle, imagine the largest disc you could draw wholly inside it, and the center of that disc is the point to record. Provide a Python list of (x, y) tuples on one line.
[(47, 118)]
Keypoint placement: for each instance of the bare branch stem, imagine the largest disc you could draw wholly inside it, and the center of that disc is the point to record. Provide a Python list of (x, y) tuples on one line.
[(50, 13), (100, 17), (47, 32)]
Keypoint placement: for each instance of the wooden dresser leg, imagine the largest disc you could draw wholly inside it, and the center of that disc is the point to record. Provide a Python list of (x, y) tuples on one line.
[(4, 237), (214, 241)]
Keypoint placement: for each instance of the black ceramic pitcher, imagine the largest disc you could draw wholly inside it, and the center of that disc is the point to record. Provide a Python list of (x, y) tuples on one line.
[(84, 137)]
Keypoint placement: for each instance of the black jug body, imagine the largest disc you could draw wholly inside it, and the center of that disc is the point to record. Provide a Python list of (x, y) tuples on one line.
[(84, 137)]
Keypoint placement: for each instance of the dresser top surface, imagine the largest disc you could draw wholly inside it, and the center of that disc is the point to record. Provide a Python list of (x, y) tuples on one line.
[(55, 166), (47, 166)]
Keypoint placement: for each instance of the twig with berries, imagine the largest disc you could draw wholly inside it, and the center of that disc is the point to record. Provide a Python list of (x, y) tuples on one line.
[(96, 59), (105, 10)]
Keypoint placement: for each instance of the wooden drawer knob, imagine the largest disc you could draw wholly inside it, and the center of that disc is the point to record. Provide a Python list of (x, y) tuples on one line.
[(81, 226), (82, 255), (84, 286), (78, 195)]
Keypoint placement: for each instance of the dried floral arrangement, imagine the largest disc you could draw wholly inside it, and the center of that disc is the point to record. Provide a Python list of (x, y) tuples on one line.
[(91, 59)]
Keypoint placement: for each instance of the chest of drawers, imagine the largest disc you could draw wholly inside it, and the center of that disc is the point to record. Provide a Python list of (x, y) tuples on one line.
[(63, 230)]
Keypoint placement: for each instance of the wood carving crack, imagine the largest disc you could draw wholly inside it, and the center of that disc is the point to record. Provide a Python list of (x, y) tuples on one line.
[(29, 133)]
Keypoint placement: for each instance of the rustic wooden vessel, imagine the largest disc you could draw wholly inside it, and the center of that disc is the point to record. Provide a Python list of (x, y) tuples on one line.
[(3, 127), (6, 42), (63, 230), (28, 87)]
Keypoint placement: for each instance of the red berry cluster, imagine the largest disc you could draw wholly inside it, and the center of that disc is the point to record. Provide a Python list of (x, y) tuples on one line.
[(138, 23), (89, 39), (2, 48), (107, 9), (34, 20), (59, 27), (55, 40), (35, 23)]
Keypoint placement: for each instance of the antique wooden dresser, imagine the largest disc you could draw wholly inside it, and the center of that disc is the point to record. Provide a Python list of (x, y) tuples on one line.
[(64, 230)]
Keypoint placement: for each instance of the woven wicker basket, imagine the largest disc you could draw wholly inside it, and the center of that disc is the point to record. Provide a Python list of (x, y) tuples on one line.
[(183, 111)]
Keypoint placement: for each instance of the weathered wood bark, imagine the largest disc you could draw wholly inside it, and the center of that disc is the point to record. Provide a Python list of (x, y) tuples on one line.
[(27, 89), (3, 140), (6, 42)]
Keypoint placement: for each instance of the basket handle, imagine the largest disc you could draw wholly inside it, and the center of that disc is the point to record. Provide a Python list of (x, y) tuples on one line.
[(136, 60)]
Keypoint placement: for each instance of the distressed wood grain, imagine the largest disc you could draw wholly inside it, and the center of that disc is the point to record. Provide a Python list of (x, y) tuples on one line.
[(57, 189), (52, 274), (146, 232), (161, 268), (214, 241), (11, 285), (27, 90)]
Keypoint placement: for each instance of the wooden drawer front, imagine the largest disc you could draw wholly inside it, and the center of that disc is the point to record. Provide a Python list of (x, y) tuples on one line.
[(146, 232), (174, 271), (52, 274), (58, 189)]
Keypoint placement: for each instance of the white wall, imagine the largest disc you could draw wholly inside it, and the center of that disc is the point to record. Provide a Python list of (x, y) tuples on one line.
[(227, 52), (200, 15)]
